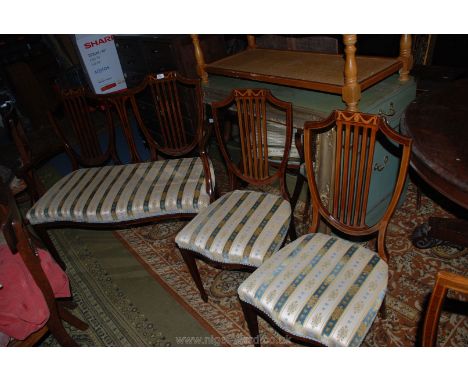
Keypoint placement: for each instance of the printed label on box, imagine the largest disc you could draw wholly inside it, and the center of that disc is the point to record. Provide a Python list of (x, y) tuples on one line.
[(101, 61)]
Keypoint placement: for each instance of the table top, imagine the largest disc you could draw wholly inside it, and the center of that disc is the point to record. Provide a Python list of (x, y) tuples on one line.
[(307, 70), (438, 124)]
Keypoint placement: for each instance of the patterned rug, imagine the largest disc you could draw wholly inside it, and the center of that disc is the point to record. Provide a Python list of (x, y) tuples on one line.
[(411, 278), (112, 317), (115, 320)]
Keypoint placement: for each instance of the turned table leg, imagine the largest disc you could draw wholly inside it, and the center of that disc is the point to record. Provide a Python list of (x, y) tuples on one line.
[(199, 58), (251, 41), (351, 90), (406, 57)]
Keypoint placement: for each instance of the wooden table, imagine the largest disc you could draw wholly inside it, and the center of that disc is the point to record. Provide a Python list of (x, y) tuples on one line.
[(306, 70), (330, 73), (438, 124)]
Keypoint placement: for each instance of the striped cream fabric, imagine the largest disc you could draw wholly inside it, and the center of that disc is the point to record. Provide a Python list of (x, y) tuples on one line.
[(125, 192), (276, 139), (320, 287), (303, 170), (241, 227)]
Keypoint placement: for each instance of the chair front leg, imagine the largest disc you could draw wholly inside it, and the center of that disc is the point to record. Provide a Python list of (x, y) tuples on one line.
[(189, 259), (383, 309), (252, 321)]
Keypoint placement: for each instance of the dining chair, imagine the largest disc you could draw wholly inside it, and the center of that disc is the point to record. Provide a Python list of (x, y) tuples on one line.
[(296, 168), (444, 282), (166, 112), (243, 227), (276, 143), (276, 129), (28, 268), (34, 147), (324, 289)]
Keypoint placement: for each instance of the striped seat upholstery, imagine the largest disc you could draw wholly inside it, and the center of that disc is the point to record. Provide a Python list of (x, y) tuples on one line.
[(125, 192), (276, 140), (320, 287), (241, 227)]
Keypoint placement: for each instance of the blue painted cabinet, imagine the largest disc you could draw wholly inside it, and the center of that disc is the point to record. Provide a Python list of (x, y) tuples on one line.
[(389, 97)]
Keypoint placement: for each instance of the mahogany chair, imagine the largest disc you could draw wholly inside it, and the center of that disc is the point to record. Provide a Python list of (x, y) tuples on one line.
[(323, 289), (276, 144), (167, 111), (318, 44), (34, 149), (243, 227), (444, 282), (21, 244)]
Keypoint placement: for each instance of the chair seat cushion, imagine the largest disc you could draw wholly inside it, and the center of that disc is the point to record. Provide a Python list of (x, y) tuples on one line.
[(120, 193), (241, 227), (320, 287)]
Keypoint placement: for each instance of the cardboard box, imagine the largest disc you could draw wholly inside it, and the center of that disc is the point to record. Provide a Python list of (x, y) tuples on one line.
[(101, 62)]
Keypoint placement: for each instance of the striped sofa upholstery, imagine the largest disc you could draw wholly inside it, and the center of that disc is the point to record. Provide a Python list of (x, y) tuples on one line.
[(241, 227), (320, 287), (276, 140), (120, 193)]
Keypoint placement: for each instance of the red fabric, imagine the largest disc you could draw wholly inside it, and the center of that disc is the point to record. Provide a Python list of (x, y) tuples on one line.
[(23, 309)]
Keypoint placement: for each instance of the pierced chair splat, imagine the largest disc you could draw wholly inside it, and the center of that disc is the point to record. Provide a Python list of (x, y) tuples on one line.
[(167, 111), (322, 289), (243, 227)]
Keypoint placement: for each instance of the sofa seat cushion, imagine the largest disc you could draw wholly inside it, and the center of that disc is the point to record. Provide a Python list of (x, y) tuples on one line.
[(321, 288), (121, 193), (241, 227)]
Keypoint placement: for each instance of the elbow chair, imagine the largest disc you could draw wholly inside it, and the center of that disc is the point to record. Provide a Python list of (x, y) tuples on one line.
[(243, 227), (34, 150), (322, 289), (168, 111), (20, 244)]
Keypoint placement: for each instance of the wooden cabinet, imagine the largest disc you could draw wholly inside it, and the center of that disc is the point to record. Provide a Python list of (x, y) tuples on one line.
[(389, 97), (143, 54)]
